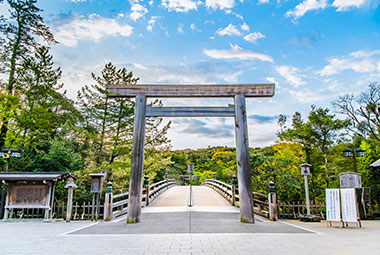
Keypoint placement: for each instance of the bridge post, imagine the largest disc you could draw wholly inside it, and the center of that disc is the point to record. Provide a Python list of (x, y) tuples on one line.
[(272, 201), (233, 190), (107, 214), (135, 184), (242, 160), (146, 184)]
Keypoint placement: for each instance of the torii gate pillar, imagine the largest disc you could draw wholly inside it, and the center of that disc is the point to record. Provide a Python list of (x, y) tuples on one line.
[(242, 161), (137, 168)]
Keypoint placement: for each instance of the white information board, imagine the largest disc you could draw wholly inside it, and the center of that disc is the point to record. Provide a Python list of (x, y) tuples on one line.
[(349, 210), (332, 205)]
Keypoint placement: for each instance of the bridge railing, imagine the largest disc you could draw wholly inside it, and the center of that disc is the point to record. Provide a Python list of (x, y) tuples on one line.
[(223, 189), (117, 205), (231, 193)]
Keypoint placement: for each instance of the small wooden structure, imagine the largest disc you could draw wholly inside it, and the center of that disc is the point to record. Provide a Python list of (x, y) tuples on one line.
[(238, 92), (96, 189), (375, 164), (70, 186), (350, 180), (30, 190)]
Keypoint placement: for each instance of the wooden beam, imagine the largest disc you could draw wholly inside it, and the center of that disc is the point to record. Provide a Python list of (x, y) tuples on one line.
[(242, 161), (228, 111), (225, 90)]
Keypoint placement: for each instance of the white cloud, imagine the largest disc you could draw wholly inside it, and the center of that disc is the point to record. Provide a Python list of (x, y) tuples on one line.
[(94, 28), (151, 23), (263, 1), (309, 96), (140, 66), (233, 78), (194, 28), (237, 52), (182, 74), (237, 15), (359, 61), (179, 5), (344, 5), (138, 11), (229, 30), (305, 6), (253, 37), (245, 27), (180, 29), (220, 4), (291, 74)]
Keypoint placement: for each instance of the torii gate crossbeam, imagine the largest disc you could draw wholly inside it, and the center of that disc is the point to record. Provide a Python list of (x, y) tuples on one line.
[(238, 111)]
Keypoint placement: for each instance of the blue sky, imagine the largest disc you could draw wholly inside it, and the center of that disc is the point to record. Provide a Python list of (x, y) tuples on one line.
[(314, 50)]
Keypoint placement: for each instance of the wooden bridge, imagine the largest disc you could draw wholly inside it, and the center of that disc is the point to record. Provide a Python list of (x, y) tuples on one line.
[(166, 210), (168, 195)]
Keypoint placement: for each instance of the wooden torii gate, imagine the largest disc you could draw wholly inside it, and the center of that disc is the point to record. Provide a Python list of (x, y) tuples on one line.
[(238, 111)]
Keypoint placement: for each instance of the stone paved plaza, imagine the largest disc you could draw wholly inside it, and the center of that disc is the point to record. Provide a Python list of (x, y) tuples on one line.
[(36, 237), (168, 226)]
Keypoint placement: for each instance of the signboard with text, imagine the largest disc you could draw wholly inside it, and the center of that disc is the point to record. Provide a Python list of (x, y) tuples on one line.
[(332, 205), (350, 180), (348, 202), (190, 168), (30, 195)]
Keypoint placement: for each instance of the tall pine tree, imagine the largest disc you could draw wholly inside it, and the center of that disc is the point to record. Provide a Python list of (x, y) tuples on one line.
[(20, 32)]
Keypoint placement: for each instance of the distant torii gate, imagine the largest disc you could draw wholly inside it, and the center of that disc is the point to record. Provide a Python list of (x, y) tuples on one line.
[(238, 92)]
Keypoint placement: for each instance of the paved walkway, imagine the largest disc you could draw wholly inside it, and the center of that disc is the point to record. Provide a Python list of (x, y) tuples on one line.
[(181, 229), (58, 238), (179, 196)]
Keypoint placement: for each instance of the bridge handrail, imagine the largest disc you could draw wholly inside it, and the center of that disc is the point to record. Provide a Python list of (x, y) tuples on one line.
[(226, 191), (221, 187), (155, 190)]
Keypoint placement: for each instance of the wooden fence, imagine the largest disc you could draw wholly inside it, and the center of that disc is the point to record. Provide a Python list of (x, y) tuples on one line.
[(293, 210), (84, 211), (80, 212)]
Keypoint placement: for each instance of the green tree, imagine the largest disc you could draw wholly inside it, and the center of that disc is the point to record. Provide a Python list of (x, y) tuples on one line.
[(108, 121), (20, 32), (300, 133), (325, 132), (363, 111), (42, 105)]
